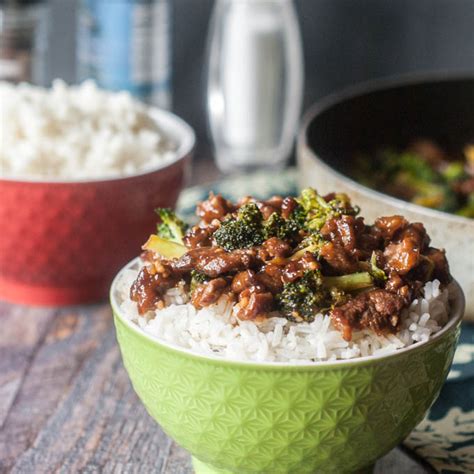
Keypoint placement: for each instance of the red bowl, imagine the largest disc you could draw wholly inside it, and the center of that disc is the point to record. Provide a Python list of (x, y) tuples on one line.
[(62, 242)]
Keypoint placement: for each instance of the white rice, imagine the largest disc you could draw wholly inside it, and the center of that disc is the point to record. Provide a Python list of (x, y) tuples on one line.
[(215, 330), (78, 132)]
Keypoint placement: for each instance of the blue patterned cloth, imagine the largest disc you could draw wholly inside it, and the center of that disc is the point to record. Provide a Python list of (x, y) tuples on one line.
[(445, 438)]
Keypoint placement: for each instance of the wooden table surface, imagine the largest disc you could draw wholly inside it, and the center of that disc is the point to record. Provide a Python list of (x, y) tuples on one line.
[(66, 403)]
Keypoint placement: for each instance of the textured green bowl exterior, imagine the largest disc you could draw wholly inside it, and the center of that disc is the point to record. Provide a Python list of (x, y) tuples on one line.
[(249, 418)]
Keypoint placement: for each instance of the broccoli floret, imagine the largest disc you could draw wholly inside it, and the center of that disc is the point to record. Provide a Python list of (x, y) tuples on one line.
[(171, 226), (454, 171), (250, 214), (423, 184), (341, 205), (242, 232), (436, 195), (297, 219), (311, 243), (318, 211), (277, 226), (302, 299), (196, 279), (235, 234), (390, 162), (312, 202), (417, 167)]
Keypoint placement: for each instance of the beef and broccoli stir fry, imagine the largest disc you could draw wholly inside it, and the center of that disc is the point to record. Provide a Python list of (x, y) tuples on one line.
[(292, 257), (423, 174)]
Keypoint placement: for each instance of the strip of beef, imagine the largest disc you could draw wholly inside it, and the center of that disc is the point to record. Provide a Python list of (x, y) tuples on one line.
[(440, 263), (338, 259), (148, 289), (243, 280), (377, 309), (387, 227), (209, 292), (295, 269), (255, 303), (368, 241), (214, 261), (216, 207), (404, 253), (268, 207), (394, 282), (274, 247), (343, 250), (405, 288), (351, 233), (341, 231), (199, 236), (329, 196), (288, 205), (270, 280)]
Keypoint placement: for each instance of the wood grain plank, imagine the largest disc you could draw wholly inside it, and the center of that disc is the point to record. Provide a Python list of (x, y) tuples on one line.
[(178, 462), (22, 331), (69, 338), (99, 426)]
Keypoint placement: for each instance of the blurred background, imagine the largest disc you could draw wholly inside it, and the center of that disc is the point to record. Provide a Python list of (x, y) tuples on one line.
[(344, 42), (89, 168)]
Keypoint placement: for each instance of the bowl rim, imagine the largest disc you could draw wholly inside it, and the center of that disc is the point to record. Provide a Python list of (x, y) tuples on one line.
[(458, 306), (365, 88), (169, 121)]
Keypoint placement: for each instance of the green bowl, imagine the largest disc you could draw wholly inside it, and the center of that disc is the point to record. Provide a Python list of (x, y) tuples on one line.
[(247, 417)]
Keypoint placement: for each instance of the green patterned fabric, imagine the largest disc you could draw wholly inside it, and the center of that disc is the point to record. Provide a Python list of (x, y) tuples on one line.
[(445, 438)]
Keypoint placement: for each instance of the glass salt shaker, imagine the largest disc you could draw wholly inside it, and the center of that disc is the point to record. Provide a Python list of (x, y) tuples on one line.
[(254, 82)]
